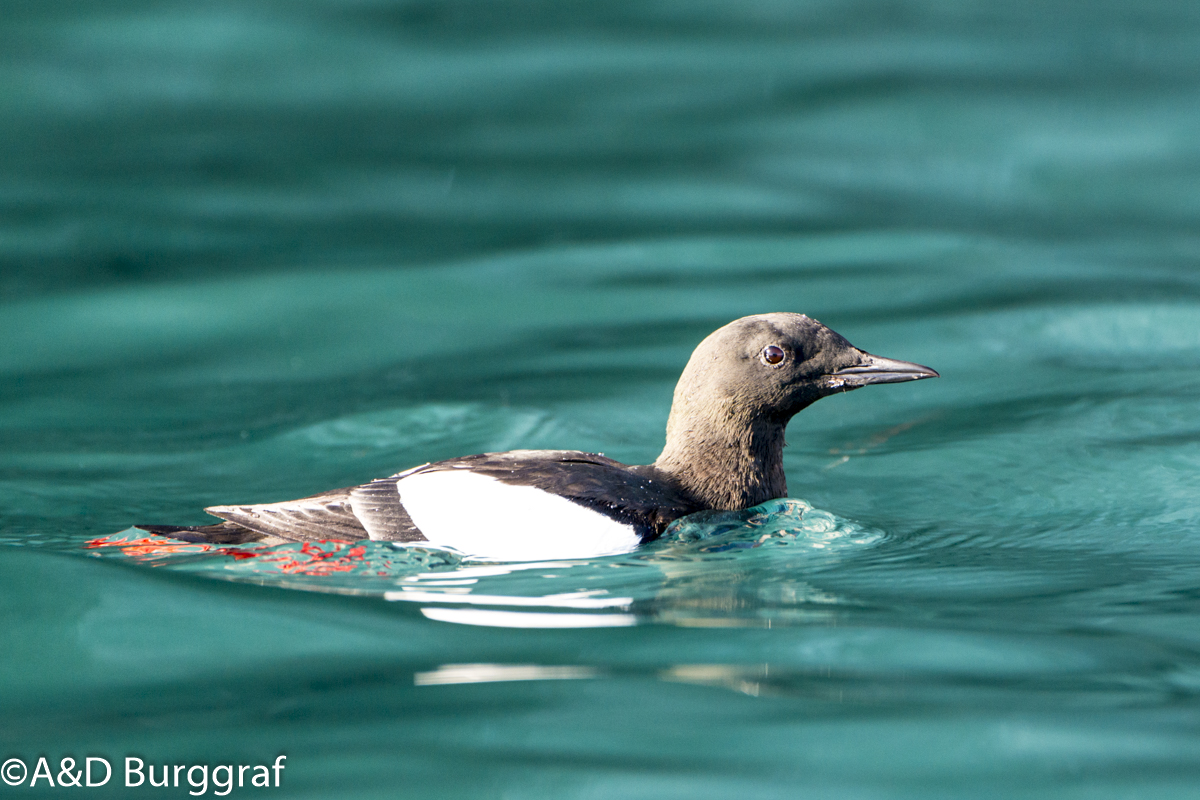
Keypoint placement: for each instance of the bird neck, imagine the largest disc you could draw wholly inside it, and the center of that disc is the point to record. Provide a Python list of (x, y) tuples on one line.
[(725, 462)]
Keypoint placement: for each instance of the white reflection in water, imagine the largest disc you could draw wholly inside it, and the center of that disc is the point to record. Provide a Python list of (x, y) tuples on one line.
[(524, 619), (499, 618), (744, 678), (570, 600), (448, 674), (486, 571)]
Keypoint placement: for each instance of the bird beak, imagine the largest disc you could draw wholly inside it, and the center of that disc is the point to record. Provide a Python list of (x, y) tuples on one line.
[(874, 369)]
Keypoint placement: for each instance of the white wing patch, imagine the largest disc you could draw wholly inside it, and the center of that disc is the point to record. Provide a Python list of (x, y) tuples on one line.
[(488, 519)]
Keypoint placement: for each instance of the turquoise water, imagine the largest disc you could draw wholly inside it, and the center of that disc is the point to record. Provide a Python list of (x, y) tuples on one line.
[(253, 251)]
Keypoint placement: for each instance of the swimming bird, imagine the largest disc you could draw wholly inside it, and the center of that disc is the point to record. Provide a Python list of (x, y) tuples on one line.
[(724, 450)]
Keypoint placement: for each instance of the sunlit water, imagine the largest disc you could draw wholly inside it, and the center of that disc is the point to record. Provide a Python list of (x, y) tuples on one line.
[(251, 253)]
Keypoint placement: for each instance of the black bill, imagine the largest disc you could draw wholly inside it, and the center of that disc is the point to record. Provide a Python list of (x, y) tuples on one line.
[(875, 369)]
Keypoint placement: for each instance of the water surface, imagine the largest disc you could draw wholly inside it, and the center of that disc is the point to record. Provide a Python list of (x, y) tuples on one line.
[(251, 253)]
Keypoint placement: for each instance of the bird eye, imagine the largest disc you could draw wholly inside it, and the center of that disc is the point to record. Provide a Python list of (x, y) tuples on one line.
[(773, 354)]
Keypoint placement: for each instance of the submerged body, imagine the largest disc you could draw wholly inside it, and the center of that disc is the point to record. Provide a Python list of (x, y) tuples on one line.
[(724, 450)]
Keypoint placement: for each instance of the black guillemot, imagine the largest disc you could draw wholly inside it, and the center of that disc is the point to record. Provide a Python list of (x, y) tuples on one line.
[(724, 450)]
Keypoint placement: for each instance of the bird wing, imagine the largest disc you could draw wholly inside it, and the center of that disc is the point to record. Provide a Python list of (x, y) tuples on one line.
[(378, 508), (322, 517)]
